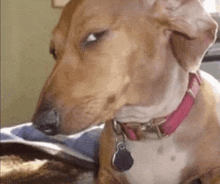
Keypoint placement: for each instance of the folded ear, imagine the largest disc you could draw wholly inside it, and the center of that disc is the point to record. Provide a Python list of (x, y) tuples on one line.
[(193, 30)]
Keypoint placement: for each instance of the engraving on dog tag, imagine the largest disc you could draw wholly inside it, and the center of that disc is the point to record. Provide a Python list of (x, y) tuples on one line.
[(122, 159)]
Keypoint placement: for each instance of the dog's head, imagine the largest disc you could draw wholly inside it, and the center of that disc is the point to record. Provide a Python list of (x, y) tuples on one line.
[(111, 53)]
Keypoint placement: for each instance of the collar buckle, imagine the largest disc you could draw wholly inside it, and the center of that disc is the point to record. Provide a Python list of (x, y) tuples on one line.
[(159, 133), (154, 125)]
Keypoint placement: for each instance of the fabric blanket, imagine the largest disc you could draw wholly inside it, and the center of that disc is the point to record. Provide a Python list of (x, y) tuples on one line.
[(30, 156)]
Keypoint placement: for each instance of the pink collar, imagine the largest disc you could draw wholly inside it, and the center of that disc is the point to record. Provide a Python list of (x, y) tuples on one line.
[(170, 123)]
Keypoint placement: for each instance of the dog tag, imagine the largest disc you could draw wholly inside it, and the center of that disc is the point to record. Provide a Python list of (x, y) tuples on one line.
[(122, 159)]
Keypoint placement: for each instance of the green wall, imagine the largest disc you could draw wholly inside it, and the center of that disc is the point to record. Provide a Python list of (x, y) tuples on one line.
[(26, 27)]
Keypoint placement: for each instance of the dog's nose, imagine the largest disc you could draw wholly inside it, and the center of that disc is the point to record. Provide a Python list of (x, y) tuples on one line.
[(47, 122)]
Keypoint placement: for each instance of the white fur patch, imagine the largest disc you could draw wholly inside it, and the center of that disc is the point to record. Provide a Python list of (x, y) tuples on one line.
[(156, 161)]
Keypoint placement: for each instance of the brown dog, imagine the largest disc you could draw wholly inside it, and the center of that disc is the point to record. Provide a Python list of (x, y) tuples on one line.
[(129, 60)]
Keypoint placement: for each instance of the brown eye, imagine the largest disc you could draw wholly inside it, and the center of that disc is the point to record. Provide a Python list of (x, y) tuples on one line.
[(93, 38)]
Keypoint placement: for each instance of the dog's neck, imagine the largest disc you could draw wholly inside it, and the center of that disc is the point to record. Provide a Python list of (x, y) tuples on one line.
[(144, 113), (165, 126)]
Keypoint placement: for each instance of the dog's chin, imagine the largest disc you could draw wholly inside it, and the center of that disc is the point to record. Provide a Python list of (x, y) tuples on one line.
[(64, 131)]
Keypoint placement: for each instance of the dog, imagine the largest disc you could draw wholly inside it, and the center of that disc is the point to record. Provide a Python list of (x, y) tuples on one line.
[(134, 64)]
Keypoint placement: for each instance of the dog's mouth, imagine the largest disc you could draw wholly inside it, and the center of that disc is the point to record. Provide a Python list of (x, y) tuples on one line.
[(51, 122), (47, 122), (73, 120), (61, 115)]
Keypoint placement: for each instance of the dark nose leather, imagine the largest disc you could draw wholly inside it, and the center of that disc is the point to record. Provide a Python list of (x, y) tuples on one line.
[(47, 122)]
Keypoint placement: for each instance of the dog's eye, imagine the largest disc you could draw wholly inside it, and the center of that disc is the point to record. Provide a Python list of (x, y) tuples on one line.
[(93, 38)]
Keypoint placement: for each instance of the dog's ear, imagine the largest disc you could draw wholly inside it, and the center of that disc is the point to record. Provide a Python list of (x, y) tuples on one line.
[(193, 30)]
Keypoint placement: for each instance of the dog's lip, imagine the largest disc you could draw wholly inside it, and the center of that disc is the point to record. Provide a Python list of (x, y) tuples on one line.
[(79, 132)]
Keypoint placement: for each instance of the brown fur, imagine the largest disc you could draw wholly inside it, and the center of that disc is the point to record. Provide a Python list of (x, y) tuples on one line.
[(143, 59)]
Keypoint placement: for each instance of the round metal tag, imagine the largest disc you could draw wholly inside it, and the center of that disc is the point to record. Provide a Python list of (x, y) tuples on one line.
[(122, 159)]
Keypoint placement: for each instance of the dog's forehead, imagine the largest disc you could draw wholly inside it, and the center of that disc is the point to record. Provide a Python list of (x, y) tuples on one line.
[(86, 9), (96, 9), (84, 15)]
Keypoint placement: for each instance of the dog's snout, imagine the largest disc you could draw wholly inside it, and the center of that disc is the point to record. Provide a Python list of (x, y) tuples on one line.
[(47, 122)]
